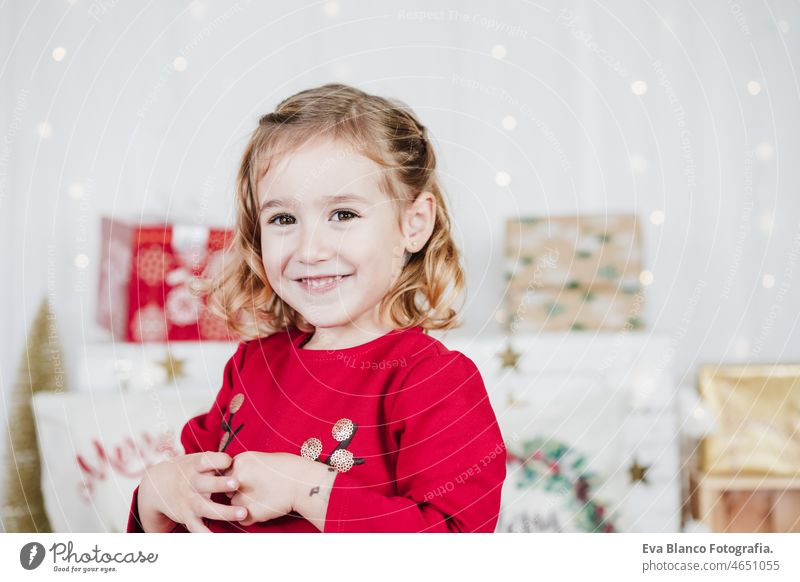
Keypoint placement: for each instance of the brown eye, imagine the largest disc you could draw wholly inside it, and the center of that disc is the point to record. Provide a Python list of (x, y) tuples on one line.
[(346, 212), (280, 218)]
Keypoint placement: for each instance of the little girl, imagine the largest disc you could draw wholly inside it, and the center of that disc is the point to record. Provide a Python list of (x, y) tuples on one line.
[(342, 414)]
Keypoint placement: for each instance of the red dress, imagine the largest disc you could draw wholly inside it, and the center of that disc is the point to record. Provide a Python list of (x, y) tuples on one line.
[(434, 459)]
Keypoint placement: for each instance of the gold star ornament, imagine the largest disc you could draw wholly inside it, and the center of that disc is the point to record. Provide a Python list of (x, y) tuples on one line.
[(638, 472), (509, 357), (173, 367)]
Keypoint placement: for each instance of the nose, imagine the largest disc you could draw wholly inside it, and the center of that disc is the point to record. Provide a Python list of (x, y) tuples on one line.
[(314, 243)]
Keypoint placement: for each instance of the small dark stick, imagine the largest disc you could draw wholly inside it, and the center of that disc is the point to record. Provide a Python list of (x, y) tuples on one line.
[(241, 426), (343, 445)]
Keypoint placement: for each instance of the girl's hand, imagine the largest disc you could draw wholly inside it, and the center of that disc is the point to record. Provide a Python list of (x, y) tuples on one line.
[(268, 483), (178, 491)]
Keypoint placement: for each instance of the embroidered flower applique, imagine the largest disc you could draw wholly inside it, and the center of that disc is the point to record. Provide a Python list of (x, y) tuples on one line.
[(341, 458), (227, 425)]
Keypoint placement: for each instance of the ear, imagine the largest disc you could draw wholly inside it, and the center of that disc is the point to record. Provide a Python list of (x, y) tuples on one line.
[(418, 221)]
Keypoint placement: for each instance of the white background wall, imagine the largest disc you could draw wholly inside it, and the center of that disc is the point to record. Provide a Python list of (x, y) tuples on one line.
[(128, 134)]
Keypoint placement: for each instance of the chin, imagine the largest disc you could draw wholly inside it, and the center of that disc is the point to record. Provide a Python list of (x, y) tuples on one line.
[(325, 322)]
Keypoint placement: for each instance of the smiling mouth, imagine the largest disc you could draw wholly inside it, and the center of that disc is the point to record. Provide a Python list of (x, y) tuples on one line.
[(319, 284)]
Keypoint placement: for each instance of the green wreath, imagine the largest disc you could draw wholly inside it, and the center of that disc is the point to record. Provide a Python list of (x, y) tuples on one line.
[(557, 468)]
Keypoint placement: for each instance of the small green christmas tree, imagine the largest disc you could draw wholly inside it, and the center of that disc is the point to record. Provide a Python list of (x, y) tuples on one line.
[(41, 370)]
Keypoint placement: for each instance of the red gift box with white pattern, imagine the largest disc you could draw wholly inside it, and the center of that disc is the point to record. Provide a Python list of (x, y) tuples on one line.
[(147, 272)]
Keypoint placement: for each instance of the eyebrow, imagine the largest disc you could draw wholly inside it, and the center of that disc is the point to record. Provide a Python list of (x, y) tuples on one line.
[(293, 202)]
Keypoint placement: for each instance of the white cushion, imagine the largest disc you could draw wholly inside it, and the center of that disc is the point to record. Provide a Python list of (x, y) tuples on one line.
[(94, 448), (586, 416)]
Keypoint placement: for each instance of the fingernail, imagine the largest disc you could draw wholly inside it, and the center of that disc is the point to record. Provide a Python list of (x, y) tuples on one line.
[(232, 484), (241, 513)]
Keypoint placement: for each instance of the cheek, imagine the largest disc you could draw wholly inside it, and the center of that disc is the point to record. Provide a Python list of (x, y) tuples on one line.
[(269, 266), (391, 259), (383, 257), (398, 259), (271, 256)]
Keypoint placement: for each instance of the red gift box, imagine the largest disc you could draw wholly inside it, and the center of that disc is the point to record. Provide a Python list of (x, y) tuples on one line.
[(147, 273)]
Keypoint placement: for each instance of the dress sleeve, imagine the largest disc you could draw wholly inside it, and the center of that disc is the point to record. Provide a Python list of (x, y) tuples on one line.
[(202, 432), (450, 463), (134, 522)]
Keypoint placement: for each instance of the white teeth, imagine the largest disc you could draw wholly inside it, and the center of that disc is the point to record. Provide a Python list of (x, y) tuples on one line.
[(315, 283)]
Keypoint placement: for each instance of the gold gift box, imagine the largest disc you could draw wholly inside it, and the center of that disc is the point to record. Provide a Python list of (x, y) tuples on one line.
[(573, 272), (573, 310), (757, 414)]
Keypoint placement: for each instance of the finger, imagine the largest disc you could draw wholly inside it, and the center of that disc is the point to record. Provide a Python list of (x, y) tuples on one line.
[(210, 461), (207, 483), (221, 472), (223, 512), (196, 525)]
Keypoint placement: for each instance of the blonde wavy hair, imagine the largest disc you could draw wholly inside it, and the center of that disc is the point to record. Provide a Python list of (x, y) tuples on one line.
[(383, 130)]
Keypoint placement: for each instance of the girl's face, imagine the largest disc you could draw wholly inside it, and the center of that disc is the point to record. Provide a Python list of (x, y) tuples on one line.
[(332, 241)]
